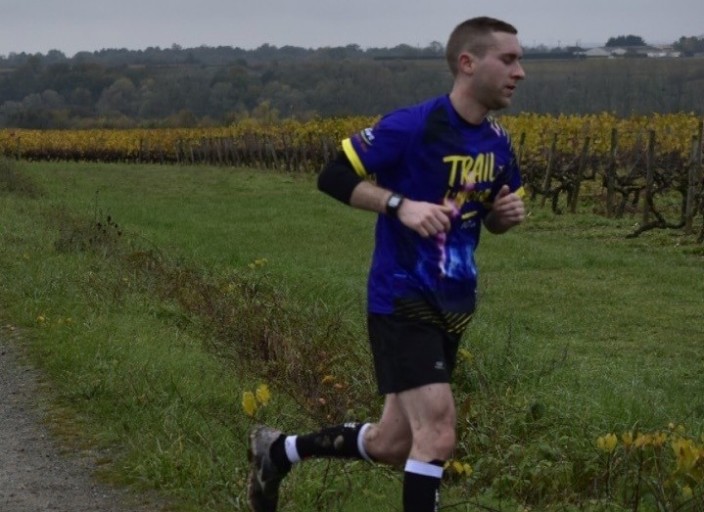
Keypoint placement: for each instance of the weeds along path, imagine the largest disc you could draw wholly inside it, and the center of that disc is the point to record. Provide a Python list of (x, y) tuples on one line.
[(36, 475)]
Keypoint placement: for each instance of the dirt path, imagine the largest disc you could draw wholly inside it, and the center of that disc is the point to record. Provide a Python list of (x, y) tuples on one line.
[(35, 474)]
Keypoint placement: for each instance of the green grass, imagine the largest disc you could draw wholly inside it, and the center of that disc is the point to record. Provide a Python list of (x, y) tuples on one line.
[(152, 326)]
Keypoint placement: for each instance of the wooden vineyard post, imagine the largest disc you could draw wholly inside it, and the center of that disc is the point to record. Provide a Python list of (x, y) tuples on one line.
[(548, 170), (580, 175), (695, 190), (249, 150), (217, 142), (611, 174), (271, 153), (328, 152), (691, 187), (287, 153), (521, 148), (236, 158), (179, 150), (649, 177), (261, 153), (207, 153)]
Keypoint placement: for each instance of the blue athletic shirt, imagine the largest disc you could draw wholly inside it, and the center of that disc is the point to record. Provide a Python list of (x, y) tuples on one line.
[(427, 152)]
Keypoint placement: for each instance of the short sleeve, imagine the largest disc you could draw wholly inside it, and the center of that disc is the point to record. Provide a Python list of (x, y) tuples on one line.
[(378, 150)]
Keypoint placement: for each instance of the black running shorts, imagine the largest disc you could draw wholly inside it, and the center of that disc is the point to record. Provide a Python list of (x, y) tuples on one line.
[(409, 353)]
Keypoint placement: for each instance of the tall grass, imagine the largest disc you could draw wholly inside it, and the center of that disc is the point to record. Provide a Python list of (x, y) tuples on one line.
[(154, 297)]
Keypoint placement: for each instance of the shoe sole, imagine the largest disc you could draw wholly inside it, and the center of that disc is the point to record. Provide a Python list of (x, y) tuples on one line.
[(252, 470)]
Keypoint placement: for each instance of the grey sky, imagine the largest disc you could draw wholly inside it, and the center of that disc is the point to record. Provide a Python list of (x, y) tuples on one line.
[(76, 25)]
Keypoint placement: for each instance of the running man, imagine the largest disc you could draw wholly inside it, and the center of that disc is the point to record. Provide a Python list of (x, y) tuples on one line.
[(435, 173)]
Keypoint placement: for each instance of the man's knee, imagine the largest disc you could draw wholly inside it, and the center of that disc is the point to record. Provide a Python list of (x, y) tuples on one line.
[(443, 442), (436, 440)]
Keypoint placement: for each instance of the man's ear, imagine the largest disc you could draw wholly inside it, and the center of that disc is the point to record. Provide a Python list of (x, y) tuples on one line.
[(465, 63)]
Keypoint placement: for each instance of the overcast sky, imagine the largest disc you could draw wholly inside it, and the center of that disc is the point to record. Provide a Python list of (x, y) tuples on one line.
[(76, 25)]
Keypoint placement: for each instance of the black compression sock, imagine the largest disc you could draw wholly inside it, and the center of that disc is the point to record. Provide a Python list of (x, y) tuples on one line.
[(342, 441), (421, 485), (278, 456)]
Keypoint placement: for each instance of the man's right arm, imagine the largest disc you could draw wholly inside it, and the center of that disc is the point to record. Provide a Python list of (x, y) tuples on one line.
[(339, 180)]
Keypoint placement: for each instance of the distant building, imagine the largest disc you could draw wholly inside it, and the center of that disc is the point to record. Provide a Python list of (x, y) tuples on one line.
[(611, 52), (596, 52), (665, 51)]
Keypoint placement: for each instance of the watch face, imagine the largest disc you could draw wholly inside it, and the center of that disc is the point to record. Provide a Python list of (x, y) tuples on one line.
[(393, 204)]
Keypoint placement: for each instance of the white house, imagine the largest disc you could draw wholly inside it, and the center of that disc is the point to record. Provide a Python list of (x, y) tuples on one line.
[(596, 52)]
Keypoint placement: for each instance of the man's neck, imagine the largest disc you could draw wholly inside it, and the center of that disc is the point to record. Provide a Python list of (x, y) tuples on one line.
[(467, 108)]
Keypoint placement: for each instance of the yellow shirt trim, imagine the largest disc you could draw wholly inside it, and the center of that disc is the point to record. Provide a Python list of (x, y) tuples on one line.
[(357, 164)]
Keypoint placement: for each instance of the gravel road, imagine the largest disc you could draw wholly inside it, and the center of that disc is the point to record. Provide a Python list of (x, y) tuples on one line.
[(36, 474)]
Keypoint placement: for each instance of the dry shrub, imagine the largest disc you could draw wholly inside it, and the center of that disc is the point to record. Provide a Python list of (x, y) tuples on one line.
[(13, 181)]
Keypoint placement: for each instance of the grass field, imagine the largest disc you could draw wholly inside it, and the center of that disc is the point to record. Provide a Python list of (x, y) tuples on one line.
[(154, 297)]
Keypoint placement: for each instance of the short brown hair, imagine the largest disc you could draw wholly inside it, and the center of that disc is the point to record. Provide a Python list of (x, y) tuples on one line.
[(470, 35)]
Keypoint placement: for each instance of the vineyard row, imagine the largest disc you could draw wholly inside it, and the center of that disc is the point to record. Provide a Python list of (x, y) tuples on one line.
[(652, 165)]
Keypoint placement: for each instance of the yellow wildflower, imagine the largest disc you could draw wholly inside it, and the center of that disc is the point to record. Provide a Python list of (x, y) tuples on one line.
[(258, 263), (249, 403), (465, 355), (686, 453), (659, 439), (607, 443), (263, 394), (643, 440), (328, 379), (459, 468), (627, 439)]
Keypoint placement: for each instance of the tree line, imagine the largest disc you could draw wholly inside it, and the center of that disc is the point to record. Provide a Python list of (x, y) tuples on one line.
[(207, 86)]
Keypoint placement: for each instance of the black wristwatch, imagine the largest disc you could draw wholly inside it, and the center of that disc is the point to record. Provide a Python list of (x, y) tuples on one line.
[(393, 203)]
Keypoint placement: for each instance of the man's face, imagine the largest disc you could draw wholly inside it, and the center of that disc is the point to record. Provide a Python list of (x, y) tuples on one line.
[(496, 73)]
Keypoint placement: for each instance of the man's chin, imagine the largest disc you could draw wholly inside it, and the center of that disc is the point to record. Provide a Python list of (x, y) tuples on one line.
[(501, 104)]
